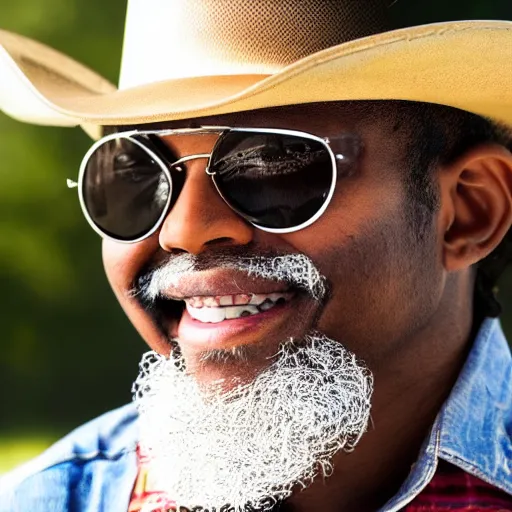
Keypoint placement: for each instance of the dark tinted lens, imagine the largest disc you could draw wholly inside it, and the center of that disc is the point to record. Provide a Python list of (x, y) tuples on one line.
[(273, 180), (125, 191)]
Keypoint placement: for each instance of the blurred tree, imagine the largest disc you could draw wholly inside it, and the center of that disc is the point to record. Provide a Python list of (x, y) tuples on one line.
[(68, 353)]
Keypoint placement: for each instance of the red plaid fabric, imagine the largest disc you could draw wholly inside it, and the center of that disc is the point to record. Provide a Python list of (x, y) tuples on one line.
[(450, 489), (454, 489)]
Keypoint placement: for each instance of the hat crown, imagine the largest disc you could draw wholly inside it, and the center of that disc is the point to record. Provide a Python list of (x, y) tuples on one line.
[(172, 39)]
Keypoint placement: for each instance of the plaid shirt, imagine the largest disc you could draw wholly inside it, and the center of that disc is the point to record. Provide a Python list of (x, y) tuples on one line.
[(454, 489), (450, 489)]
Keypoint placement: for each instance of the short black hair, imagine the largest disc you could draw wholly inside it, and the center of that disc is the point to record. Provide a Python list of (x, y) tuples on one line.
[(438, 135)]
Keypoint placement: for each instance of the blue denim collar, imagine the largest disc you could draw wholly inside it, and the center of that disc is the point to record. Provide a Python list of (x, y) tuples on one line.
[(476, 421), (473, 429)]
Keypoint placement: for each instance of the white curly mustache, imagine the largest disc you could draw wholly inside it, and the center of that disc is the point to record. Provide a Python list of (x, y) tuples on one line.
[(296, 269)]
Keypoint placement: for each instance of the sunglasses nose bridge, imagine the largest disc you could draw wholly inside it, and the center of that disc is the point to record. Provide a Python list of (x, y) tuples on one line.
[(177, 164), (199, 218)]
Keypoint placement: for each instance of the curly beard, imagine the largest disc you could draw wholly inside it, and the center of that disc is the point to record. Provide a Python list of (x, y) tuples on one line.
[(253, 445)]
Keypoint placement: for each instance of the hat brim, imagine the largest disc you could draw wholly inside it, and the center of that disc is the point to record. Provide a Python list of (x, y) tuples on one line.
[(467, 65)]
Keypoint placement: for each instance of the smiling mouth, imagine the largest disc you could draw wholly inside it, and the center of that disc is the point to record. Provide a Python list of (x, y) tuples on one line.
[(220, 309), (216, 321), (217, 309)]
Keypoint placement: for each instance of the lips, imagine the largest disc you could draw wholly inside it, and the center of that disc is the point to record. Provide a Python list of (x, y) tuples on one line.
[(224, 308)]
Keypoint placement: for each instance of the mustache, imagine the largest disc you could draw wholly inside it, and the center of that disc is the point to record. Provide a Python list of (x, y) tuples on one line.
[(295, 269)]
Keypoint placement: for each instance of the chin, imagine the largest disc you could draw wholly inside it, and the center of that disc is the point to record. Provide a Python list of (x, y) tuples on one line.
[(250, 441)]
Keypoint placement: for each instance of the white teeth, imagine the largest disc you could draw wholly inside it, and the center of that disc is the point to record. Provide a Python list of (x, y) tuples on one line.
[(207, 315), (210, 302), (195, 302), (216, 309), (241, 299), (256, 299), (240, 311), (226, 300), (266, 305), (216, 315)]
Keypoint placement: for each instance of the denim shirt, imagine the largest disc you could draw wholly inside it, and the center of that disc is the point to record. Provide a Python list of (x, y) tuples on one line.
[(94, 468)]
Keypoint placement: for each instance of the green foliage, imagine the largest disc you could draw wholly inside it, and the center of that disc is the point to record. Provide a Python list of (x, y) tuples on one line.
[(68, 353), (16, 449)]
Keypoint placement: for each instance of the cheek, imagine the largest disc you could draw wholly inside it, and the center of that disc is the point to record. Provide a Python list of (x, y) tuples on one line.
[(384, 284), (354, 215), (122, 264), (383, 291)]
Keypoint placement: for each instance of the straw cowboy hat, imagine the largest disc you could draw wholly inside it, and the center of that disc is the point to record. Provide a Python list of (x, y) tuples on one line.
[(191, 58)]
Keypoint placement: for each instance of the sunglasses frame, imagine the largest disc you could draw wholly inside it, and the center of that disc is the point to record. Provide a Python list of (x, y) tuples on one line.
[(167, 166)]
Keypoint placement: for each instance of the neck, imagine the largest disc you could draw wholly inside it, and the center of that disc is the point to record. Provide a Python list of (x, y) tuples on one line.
[(410, 388)]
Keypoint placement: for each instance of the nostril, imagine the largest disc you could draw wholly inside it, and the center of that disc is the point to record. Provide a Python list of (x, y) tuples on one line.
[(176, 251), (224, 240)]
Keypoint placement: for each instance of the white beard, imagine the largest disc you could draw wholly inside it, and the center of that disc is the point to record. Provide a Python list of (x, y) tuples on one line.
[(256, 443)]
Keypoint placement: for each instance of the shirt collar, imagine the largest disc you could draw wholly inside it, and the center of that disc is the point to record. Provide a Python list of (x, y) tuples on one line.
[(476, 421), (473, 429)]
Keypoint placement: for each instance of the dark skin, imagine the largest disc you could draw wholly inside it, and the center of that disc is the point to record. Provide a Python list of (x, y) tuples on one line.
[(403, 306)]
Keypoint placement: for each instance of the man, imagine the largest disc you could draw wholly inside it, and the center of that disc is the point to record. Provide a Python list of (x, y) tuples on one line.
[(304, 215)]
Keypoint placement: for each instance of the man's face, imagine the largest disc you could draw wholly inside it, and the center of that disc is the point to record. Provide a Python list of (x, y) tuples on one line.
[(294, 392), (382, 282)]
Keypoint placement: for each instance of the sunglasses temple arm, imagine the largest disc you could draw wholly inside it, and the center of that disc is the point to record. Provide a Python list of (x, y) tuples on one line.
[(71, 183), (347, 147)]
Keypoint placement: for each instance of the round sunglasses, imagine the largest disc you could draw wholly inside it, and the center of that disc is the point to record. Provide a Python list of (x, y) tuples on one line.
[(278, 180)]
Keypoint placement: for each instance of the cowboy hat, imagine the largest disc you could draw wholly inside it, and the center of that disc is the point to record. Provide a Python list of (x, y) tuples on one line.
[(192, 58)]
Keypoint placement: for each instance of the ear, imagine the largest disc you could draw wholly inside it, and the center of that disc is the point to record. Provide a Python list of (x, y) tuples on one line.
[(476, 205)]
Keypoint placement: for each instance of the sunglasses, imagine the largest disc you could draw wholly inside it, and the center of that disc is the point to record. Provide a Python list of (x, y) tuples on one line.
[(278, 180)]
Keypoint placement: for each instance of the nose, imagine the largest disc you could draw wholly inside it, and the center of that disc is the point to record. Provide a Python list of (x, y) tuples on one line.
[(200, 219)]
